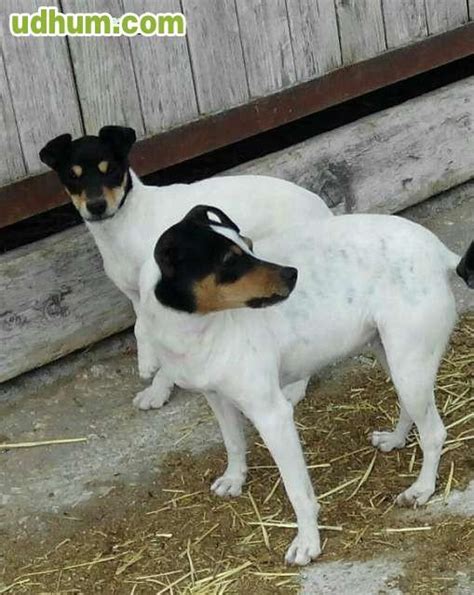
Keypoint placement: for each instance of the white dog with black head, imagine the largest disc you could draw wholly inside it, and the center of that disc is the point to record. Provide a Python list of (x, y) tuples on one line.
[(362, 280), (126, 217)]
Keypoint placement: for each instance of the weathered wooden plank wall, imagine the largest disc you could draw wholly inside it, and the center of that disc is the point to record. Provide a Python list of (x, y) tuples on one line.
[(104, 74), (266, 43), (216, 54), (361, 29), (314, 37), (405, 21), (11, 164), (41, 84), (444, 15), (235, 51), (164, 74)]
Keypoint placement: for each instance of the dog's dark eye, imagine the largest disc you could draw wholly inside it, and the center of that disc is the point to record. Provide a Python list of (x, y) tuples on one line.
[(229, 258)]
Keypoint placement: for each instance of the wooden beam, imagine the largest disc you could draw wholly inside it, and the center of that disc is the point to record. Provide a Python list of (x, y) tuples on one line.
[(387, 161), (35, 195), (55, 299)]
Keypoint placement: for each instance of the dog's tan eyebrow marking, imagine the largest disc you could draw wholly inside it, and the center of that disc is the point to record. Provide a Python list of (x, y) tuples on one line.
[(77, 169), (236, 250), (103, 166)]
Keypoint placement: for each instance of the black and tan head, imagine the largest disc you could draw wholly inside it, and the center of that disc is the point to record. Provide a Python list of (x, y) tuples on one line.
[(93, 169), (207, 266)]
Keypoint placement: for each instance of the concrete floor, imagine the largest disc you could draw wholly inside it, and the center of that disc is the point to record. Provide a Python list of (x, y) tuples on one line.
[(89, 395)]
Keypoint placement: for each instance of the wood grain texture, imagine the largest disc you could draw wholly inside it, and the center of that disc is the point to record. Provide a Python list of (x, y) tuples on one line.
[(54, 299), (41, 85), (389, 160), (314, 37), (405, 21), (361, 29), (11, 162), (104, 73), (266, 43), (163, 72), (444, 15), (216, 54)]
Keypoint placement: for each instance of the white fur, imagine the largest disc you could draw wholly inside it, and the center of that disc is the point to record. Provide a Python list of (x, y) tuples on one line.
[(263, 206), (363, 280)]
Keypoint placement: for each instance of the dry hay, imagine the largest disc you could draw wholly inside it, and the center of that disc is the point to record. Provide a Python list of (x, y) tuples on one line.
[(175, 537)]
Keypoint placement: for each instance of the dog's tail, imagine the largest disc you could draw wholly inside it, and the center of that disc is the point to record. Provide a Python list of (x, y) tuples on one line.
[(465, 268)]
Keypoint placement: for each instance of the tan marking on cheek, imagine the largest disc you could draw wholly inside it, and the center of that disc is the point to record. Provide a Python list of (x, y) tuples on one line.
[(77, 169), (79, 200), (206, 295), (260, 282), (103, 167), (113, 196)]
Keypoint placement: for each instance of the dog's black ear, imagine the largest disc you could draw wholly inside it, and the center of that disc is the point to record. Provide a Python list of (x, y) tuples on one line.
[(210, 216), (165, 254), (465, 268), (119, 138), (56, 151)]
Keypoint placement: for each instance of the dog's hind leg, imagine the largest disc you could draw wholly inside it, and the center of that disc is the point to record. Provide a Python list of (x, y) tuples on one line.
[(432, 437), (386, 440), (296, 391), (231, 424), (414, 351)]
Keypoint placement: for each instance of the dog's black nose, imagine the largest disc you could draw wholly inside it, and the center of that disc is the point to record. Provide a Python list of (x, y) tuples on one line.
[(289, 275), (97, 207)]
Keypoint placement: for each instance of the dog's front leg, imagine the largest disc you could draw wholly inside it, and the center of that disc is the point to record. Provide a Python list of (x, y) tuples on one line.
[(231, 424), (155, 395), (158, 393), (134, 297), (148, 362), (273, 418)]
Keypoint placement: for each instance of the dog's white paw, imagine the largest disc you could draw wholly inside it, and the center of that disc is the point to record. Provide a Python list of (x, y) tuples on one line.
[(303, 549), (387, 441), (228, 485), (151, 398), (415, 496)]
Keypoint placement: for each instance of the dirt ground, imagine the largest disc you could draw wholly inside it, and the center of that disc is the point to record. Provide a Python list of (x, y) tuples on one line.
[(127, 509), (171, 535)]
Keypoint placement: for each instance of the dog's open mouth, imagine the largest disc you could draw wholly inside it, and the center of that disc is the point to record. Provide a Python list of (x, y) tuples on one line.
[(264, 302), (97, 218), (288, 277)]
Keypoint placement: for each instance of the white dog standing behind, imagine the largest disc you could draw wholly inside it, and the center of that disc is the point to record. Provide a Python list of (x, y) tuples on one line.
[(363, 280), (126, 217)]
